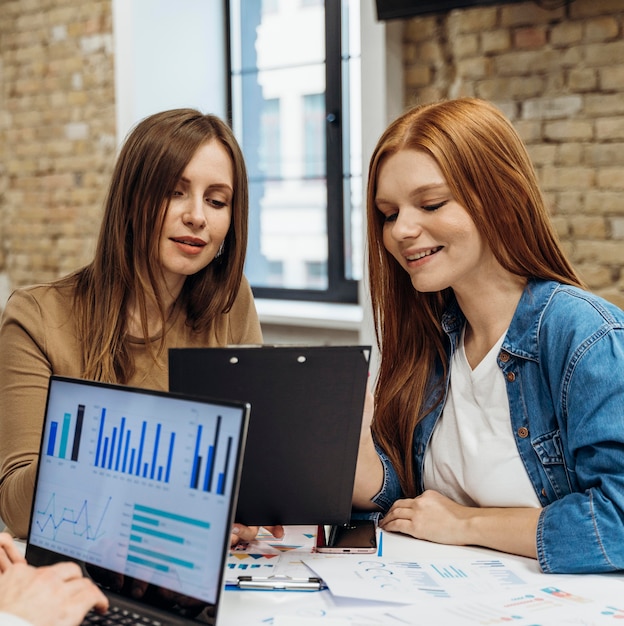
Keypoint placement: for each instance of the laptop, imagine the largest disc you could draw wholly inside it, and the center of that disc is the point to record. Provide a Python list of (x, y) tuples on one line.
[(307, 404), (138, 487)]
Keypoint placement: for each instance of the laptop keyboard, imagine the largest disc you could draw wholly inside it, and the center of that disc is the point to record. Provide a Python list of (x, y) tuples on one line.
[(119, 615)]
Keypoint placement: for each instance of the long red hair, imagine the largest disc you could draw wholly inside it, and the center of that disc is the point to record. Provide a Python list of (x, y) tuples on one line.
[(489, 173)]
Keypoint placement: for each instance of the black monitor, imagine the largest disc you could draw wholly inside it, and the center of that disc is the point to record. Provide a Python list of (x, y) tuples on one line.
[(398, 9)]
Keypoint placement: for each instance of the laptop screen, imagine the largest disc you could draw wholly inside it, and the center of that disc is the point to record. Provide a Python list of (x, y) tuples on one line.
[(138, 487)]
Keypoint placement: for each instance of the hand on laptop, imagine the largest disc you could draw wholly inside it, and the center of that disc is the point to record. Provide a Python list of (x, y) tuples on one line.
[(249, 533), (56, 594)]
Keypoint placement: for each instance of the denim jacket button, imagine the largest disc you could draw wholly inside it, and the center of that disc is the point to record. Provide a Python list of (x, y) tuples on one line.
[(523, 432), (510, 376), (504, 357)]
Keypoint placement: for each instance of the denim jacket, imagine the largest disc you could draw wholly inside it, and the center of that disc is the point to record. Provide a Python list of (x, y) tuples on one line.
[(563, 362)]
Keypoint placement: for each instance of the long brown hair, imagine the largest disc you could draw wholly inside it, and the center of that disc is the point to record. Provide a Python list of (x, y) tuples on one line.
[(489, 173), (126, 260)]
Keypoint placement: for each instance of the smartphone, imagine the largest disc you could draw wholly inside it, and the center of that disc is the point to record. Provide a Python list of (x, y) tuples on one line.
[(356, 537)]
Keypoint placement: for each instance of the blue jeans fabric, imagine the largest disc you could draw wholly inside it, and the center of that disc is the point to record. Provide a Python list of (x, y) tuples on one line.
[(563, 362)]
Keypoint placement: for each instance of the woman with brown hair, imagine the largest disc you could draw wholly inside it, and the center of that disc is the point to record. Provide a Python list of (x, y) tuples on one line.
[(167, 272), (499, 404)]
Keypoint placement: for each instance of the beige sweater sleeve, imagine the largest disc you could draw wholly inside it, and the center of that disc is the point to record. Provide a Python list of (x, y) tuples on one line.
[(24, 374), (38, 338)]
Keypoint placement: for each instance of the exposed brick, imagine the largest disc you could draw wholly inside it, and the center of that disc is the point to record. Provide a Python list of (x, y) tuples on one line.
[(617, 227), (57, 128), (611, 78), (542, 154), (600, 54), (570, 202), (601, 29), (568, 130), (526, 63), (465, 45), (474, 20), (528, 87), (528, 13), (495, 41), (606, 252), (530, 37), (568, 177), (566, 33), (596, 276), (420, 28), (417, 76), (608, 129), (474, 68), (588, 227), (549, 108), (568, 153), (601, 202), (602, 104), (583, 79), (591, 8), (611, 178)]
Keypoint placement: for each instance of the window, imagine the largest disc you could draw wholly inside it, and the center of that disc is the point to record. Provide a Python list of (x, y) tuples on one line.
[(293, 65), (314, 135)]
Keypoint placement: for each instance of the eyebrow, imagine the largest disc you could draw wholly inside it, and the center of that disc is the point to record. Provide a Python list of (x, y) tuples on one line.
[(225, 186), (417, 191)]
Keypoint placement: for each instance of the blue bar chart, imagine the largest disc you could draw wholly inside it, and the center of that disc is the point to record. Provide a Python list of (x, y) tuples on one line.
[(204, 475), (62, 432), (163, 540), (131, 446)]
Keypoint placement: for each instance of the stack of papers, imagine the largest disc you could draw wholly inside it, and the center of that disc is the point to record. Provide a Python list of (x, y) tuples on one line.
[(370, 590)]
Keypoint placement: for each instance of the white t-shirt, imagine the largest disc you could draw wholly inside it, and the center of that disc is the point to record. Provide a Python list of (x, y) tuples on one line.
[(8, 619), (472, 457)]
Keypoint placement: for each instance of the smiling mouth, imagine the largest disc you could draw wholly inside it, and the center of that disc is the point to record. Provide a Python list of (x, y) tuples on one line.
[(196, 243), (424, 253)]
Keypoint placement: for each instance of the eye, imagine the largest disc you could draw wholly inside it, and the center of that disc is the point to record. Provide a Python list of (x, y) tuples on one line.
[(434, 207), (176, 193), (390, 217), (217, 204)]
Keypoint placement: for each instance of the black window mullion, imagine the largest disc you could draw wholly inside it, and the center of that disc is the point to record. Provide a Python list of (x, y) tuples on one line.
[(339, 288), (334, 160)]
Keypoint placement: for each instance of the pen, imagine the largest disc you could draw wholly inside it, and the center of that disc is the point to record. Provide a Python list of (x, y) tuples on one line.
[(281, 582)]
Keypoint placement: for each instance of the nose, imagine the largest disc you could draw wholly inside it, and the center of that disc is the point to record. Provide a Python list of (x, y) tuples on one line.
[(194, 215), (406, 225)]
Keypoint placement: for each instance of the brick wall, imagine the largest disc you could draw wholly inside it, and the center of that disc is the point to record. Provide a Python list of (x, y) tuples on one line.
[(57, 134), (558, 73)]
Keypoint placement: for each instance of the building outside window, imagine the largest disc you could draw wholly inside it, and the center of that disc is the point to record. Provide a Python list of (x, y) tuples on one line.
[(285, 72), (293, 66)]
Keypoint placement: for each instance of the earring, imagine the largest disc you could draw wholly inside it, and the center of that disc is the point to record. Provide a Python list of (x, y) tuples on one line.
[(220, 250)]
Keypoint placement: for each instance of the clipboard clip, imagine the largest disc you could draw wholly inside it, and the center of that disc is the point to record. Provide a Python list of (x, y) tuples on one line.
[(281, 582)]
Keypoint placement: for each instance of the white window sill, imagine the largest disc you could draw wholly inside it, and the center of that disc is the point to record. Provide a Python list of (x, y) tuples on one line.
[(310, 314)]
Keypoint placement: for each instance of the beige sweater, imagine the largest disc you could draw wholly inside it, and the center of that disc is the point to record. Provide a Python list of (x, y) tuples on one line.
[(38, 338)]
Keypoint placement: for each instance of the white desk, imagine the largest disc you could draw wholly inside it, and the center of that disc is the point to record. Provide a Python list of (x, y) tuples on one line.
[(320, 608), (317, 608)]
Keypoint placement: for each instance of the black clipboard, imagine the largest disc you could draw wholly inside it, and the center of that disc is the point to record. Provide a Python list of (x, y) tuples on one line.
[(306, 415)]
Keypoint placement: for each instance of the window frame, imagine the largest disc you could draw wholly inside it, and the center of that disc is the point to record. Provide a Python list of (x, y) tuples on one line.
[(340, 289)]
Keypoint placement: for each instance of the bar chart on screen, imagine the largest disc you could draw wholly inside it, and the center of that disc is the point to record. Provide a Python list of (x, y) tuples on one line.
[(130, 445), (63, 436), (208, 445)]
